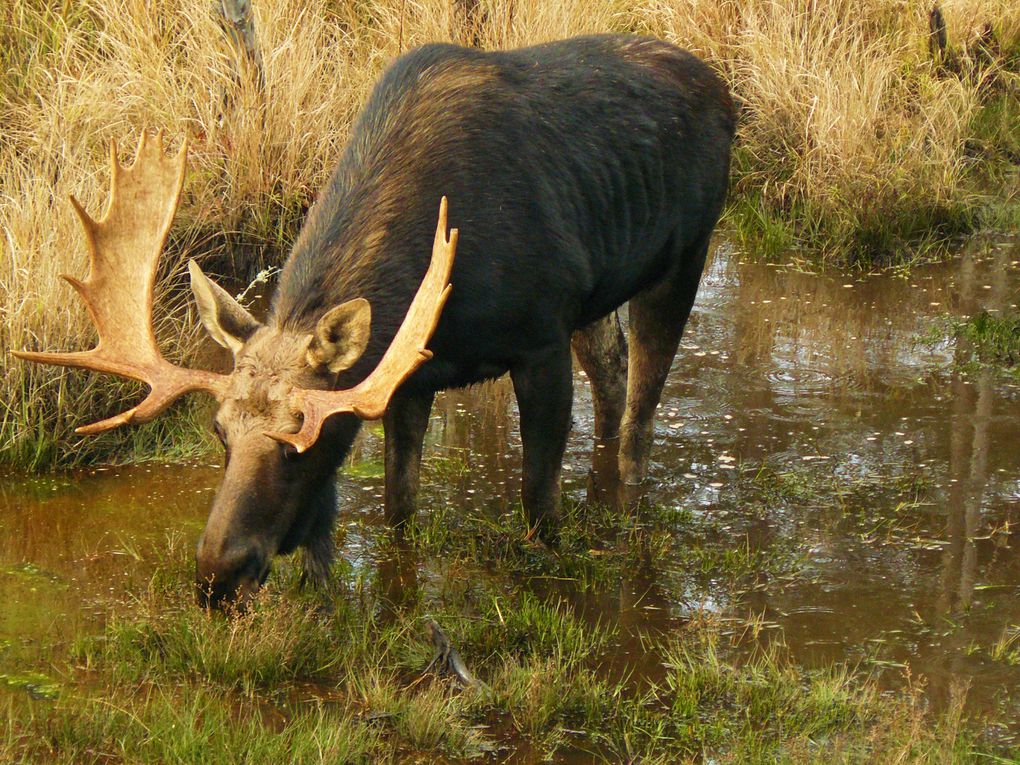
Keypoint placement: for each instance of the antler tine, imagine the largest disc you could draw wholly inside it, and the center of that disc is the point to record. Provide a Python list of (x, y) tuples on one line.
[(369, 399), (124, 248)]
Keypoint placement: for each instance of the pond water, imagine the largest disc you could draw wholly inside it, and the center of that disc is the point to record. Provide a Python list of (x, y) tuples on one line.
[(891, 472)]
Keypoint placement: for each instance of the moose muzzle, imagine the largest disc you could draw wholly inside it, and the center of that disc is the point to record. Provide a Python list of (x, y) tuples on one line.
[(228, 574)]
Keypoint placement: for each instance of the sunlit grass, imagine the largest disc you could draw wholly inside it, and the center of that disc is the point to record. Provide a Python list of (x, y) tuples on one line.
[(851, 142), (186, 724), (291, 679), (340, 674), (1007, 647)]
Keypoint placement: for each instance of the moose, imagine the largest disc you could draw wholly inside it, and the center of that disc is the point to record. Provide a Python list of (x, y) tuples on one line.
[(581, 174)]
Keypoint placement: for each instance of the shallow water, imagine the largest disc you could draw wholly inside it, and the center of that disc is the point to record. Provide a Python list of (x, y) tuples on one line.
[(815, 388)]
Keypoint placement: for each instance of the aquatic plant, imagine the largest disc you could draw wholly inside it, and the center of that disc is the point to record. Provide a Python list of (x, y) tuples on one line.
[(995, 338)]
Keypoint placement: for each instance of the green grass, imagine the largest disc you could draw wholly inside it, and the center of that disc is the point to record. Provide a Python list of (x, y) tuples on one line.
[(995, 128), (989, 340), (180, 435), (185, 724), (287, 683), (599, 547), (994, 146), (864, 233), (995, 338), (338, 676)]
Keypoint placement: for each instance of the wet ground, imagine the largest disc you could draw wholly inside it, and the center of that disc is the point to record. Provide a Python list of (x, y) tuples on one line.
[(814, 418)]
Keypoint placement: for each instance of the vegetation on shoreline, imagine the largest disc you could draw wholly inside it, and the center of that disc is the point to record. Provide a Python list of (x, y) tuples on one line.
[(995, 338), (854, 143)]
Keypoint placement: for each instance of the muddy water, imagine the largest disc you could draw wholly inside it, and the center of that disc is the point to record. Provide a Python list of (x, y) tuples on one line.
[(819, 379)]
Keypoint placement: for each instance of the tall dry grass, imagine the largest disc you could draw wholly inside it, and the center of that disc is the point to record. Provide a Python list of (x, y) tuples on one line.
[(850, 141)]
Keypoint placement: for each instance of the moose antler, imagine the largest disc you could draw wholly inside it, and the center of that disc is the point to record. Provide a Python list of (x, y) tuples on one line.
[(407, 352), (124, 249)]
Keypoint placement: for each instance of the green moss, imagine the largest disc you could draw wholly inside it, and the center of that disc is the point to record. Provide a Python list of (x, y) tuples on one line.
[(993, 338), (372, 468), (36, 684)]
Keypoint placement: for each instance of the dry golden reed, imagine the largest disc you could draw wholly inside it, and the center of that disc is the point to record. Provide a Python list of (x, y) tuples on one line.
[(846, 124)]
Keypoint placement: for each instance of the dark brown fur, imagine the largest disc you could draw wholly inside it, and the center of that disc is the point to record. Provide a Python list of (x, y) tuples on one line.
[(582, 174)]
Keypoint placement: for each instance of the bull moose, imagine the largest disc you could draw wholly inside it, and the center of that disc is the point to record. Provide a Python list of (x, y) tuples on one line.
[(581, 174)]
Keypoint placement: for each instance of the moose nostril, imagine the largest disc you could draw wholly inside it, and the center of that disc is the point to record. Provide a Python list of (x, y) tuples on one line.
[(222, 578), (245, 564)]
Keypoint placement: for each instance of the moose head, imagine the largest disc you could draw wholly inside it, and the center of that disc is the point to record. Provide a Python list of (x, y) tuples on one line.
[(282, 391)]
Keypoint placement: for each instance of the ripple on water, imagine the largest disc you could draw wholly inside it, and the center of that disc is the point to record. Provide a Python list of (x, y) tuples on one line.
[(890, 475)]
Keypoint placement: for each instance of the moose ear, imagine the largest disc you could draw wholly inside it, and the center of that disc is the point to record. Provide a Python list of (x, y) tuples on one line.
[(227, 322), (341, 336)]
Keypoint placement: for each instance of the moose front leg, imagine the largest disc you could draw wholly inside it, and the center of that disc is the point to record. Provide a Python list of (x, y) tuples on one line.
[(319, 547), (405, 423), (544, 389)]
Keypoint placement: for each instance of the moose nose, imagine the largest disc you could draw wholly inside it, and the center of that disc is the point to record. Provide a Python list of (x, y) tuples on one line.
[(229, 576)]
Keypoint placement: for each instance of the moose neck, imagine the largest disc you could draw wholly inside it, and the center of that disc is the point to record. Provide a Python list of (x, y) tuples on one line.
[(354, 244)]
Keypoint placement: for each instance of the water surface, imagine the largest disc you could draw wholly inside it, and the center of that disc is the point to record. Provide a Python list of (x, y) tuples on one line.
[(803, 413)]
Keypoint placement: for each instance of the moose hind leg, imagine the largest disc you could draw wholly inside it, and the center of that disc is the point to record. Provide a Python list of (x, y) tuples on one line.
[(657, 320), (405, 422), (544, 390), (601, 350)]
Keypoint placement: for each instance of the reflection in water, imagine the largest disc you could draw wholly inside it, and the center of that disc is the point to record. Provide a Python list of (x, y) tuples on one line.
[(397, 576), (819, 379), (971, 413)]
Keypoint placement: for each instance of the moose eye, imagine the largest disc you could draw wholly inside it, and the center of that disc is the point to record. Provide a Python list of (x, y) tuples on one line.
[(288, 452)]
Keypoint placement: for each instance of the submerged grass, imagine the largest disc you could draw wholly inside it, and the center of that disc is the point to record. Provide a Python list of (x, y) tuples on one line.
[(853, 143), (986, 339), (599, 547), (995, 338)]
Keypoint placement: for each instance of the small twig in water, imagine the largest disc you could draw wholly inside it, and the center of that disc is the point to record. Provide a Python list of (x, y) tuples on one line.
[(445, 657)]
